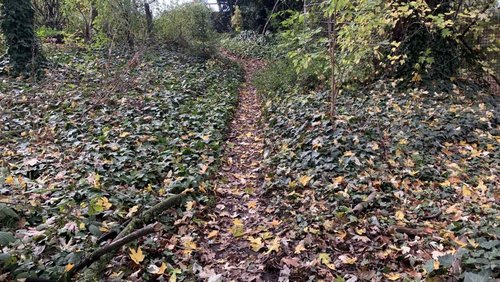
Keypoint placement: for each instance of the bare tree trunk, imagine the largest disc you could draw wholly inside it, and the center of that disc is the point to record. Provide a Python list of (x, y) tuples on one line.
[(149, 19), (332, 39)]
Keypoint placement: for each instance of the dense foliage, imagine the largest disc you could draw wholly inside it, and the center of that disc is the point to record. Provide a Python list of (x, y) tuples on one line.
[(17, 24), (422, 152), (417, 40), (188, 26), (100, 145)]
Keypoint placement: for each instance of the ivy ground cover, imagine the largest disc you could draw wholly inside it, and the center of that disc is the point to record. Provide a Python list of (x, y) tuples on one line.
[(404, 185), (99, 139)]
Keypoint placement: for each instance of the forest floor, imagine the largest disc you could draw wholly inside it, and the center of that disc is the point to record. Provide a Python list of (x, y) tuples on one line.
[(237, 225)]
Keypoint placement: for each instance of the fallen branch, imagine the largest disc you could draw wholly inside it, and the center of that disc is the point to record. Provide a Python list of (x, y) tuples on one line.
[(146, 217), (363, 205), (115, 245), (433, 216), (408, 230)]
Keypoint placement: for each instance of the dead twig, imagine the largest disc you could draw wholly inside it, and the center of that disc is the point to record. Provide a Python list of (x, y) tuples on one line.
[(363, 205)]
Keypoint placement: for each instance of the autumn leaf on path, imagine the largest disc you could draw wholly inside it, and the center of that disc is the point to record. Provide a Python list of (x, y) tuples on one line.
[(212, 234), (392, 276), (300, 247), (255, 243), (157, 270), (347, 259), (238, 228), (324, 258), (68, 267), (136, 255), (304, 180), (273, 246)]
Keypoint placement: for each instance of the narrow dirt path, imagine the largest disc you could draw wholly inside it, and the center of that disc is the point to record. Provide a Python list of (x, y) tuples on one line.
[(239, 239)]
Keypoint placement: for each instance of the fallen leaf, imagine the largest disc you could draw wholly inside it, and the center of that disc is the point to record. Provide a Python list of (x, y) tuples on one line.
[(9, 180), (157, 270), (136, 255), (212, 234), (132, 210), (304, 180), (324, 258), (255, 243), (238, 228), (252, 204), (68, 267), (400, 215), (273, 246), (189, 205), (392, 276), (347, 259), (300, 248)]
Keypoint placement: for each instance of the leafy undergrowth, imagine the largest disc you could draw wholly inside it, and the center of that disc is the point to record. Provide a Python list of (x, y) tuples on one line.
[(249, 44), (428, 160), (99, 140)]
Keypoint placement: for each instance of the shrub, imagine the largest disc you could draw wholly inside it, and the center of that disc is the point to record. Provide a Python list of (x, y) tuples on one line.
[(251, 44), (188, 27)]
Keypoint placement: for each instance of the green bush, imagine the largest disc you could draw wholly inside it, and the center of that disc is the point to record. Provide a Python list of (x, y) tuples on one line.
[(276, 78), (188, 27), (250, 44)]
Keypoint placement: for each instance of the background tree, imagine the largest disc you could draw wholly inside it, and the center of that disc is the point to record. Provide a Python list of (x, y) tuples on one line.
[(49, 13), (18, 27)]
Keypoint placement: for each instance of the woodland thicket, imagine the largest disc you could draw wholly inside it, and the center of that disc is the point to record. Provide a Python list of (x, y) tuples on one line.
[(378, 137)]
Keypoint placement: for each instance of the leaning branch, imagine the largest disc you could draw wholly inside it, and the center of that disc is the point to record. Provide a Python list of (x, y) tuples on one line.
[(115, 245)]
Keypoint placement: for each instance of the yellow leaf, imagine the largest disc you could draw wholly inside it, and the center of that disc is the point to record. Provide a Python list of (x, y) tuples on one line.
[(238, 228), (300, 248), (275, 223), (136, 255), (348, 154), (466, 191), (324, 258), (400, 215), (347, 259), (328, 225), (104, 203), (445, 183), (252, 204), (481, 187), (188, 243), (255, 243), (473, 243), (212, 234), (157, 270), (338, 180), (392, 276), (124, 134), (205, 138), (360, 231), (68, 267), (189, 205), (173, 275), (436, 264), (304, 180), (274, 246), (460, 243), (341, 235), (9, 180), (132, 210), (375, 146)]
